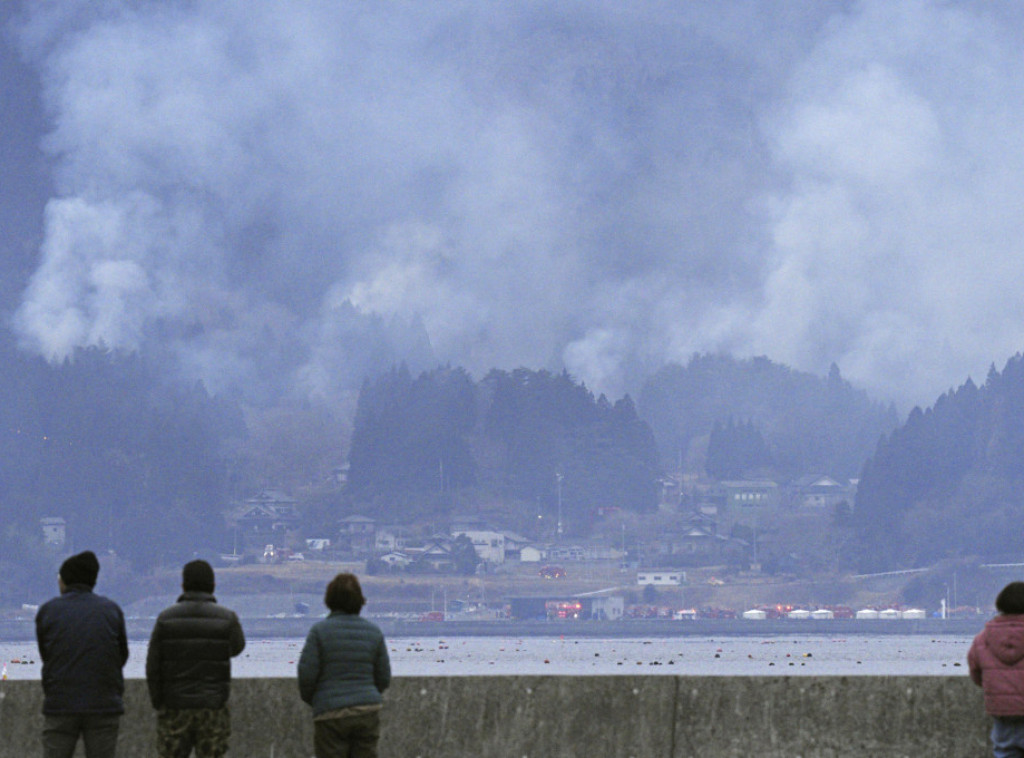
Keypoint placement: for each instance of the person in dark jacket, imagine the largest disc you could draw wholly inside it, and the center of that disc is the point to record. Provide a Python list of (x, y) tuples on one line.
[(996, 664), (343, 670), (188, 668), (83, 646)]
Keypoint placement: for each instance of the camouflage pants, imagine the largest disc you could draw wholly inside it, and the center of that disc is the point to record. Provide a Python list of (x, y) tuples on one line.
[(207, 730)]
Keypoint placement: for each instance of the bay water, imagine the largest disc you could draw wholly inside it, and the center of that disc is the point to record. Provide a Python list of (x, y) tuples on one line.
[(812, 655)]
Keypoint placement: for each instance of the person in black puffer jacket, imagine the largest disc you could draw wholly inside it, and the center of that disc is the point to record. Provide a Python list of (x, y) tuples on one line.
[(188, 668)]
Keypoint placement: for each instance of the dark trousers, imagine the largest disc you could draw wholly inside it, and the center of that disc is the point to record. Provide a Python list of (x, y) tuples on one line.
[(347, 737), (98, 732)]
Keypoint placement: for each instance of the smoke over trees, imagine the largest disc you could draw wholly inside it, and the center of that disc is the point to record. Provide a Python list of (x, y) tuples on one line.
[(808, 424)]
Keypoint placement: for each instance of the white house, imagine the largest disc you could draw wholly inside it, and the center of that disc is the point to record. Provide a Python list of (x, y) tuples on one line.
[(357, 525), (396, 559), (661, 577), (609, 607), (514, 543), (489, 545), (389, 538), (531, 554)]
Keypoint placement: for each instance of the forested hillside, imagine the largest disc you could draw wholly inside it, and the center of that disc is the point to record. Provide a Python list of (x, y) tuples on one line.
[(948, 483), (526, 437), (807, 424), (132, 462)]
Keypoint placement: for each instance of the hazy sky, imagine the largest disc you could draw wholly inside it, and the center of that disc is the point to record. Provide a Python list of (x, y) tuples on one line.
[(595, 185)]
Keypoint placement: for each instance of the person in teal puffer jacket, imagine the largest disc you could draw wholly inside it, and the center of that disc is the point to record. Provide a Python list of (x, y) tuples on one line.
[(343, 671)]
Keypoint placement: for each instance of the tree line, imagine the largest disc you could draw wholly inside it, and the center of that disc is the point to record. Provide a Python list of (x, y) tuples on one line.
[(947, 484), (539, 439), (131, 460)]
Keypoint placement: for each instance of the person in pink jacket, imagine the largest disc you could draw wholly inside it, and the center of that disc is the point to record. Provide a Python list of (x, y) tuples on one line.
[(996, 663)]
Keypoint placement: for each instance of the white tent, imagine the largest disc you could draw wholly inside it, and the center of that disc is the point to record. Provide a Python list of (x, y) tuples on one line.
[(754, 613), (913, 613), (889, 613), (799, 613), (866, 613), (822, 613)]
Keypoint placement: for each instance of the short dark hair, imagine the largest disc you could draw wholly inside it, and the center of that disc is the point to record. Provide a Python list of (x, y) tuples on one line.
[(197, 576), (1011, 598), (344, 594)]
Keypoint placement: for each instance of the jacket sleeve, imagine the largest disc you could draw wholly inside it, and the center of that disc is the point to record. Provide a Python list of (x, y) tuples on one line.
[(122, 637), (973, 665), (382, 667), (44, 652), (237, 637), (153, 668), (309, 666)]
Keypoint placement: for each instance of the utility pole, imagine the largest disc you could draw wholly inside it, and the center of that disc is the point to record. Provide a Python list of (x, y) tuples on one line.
[(558, 476)]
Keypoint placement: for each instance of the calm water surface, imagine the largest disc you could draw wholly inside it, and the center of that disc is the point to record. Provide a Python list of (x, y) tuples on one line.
[(482, 656)]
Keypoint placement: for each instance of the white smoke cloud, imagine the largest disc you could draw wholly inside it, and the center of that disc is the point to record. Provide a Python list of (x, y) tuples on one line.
[(499, 184), (893, 248)]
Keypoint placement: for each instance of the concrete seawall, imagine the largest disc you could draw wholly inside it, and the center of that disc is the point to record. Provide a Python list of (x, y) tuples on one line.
[(592, 717)]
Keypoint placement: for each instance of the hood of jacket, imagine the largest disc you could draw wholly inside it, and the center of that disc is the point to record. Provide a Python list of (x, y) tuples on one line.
[(1005, 638)]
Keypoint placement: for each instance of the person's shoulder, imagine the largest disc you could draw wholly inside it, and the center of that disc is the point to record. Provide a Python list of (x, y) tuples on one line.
[(48, 606), (369, 626), (108, 604)]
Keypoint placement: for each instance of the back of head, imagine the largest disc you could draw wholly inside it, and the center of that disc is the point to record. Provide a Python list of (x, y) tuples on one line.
[(197, 576), (82, 568), (344, 594), (1011, 598)]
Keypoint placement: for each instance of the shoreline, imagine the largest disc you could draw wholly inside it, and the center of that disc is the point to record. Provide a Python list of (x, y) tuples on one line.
[(297, 627)]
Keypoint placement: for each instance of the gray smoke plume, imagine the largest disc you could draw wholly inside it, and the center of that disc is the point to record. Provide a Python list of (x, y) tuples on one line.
[(591, 185)]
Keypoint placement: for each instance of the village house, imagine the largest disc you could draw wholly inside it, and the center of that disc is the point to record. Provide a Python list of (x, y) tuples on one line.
[(390, 537), (395, 560), (54, 531), (566, 553), (661, 577), (267, 512), (514, 544), (697, 546), (532, 554), (814, 491), (434, 554), (749, 495), (357, 526), (357, 534), (489, 545)]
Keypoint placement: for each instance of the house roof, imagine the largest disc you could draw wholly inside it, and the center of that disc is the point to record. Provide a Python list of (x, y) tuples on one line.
[(816, 480), (272, 497), (749, 484), (515, 537)]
